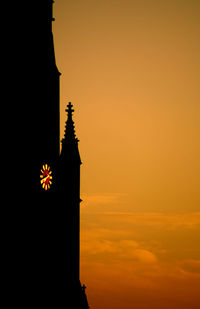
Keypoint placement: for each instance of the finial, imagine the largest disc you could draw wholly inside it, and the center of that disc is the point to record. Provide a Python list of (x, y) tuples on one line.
[(69, 110)]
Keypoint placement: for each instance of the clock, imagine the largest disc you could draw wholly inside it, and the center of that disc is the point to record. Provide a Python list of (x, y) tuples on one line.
[(46, 177)]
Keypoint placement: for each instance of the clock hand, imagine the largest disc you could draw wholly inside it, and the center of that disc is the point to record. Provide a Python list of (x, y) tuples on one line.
[(44, 179)]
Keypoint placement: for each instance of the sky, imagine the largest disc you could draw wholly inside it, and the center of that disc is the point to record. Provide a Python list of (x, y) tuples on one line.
[(132, 69)]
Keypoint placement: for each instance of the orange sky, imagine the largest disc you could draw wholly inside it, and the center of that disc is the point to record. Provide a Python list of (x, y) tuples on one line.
[(131, 69)]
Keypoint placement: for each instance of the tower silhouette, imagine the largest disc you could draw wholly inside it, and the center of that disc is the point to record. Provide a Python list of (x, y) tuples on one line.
[(52, 236), (68, 186)]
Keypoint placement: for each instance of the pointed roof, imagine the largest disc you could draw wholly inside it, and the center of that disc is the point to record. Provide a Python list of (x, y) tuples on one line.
[(70, 142), (69, 125)]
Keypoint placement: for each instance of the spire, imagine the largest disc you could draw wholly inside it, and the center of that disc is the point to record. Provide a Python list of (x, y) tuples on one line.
[(69, 126), (70, 142)]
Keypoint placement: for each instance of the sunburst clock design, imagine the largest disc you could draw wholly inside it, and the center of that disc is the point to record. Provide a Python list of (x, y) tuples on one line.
[(46, 177)]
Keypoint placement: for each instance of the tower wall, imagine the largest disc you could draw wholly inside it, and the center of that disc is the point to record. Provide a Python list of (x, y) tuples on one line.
[(43, 98), (69, 192)]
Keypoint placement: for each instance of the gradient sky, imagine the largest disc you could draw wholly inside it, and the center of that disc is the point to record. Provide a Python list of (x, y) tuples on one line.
[(132, 70)]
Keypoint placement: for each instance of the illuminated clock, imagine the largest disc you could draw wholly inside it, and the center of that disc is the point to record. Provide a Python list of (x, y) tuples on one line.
[(46, 177)]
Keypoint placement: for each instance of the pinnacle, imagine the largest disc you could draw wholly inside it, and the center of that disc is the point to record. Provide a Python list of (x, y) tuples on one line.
[(69, 125)]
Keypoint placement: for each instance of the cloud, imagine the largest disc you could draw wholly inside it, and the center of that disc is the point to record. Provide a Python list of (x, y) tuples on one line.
[(132, 251), (190, 266), (92, 199), (104, 204), (145, 256), (103, 241), (148, 249), (171, 221), (104, 246)]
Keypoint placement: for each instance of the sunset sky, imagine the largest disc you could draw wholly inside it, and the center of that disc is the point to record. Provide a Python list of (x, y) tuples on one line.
[(131, 68)]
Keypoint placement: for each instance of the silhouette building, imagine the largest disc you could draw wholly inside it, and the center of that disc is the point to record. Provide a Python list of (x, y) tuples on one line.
[(54, 184), (68, 186)]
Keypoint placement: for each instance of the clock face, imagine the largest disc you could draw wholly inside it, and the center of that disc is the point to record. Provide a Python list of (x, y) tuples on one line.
[(46, 177)]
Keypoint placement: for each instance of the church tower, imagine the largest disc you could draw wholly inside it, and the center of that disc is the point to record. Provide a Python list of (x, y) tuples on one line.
[(44, 226), (55, 216)]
